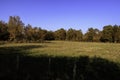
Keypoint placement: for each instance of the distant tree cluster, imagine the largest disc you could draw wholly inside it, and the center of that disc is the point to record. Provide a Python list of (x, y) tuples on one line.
[(16, 31)]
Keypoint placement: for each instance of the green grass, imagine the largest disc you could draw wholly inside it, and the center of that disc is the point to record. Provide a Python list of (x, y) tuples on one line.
[(110, 51), (59, 60)]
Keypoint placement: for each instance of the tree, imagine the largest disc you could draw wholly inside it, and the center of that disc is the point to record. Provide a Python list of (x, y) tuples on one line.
[(71, 35), (40, 35), (116, 33), (60, 34), (107, 34), (79, 35), (35, 34), (29, 33), (49, 35), (4, 34), (89, 35), (92, 35), (74, 35), (119, 35), (15, 28), (97, 35)]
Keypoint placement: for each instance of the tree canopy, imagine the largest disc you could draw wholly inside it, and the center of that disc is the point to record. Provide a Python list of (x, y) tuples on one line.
[(15, 30)]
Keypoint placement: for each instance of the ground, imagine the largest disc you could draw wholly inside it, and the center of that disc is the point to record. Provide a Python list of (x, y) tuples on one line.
[(110, 51)]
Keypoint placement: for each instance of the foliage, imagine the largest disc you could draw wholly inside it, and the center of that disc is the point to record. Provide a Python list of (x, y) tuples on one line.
[(116, 33), (16, 31), (49, 35), (15, 28), (60, 34), (4, 34), (92, 35), (74, 35), (107, 33)]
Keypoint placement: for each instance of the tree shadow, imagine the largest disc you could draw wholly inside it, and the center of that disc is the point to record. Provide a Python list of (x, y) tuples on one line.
[(15, 65), (18, 49)]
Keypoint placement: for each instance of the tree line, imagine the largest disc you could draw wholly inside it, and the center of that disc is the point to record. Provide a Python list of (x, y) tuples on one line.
[(16, 31)]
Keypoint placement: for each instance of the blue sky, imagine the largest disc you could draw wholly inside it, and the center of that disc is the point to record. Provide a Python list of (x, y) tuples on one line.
[(55, 14)]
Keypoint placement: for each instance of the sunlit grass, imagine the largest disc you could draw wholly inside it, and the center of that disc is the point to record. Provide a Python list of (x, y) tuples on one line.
[(109, 51), (64, 48)]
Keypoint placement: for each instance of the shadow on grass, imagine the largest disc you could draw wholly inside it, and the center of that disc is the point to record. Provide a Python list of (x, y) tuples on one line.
[(14, 65), (18, 49)]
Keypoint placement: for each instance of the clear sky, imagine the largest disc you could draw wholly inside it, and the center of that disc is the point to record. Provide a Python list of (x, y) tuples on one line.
[(55, 14)]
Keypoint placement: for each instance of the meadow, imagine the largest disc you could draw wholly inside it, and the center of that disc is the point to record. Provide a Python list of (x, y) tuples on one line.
[(110, 51), (60, 60)]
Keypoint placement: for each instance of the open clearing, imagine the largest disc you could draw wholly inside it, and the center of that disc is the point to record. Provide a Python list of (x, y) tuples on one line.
[(109, 51), (47, 61)]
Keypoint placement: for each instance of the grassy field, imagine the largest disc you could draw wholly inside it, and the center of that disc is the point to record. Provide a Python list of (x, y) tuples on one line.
[(59, 60), (109, 51)]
